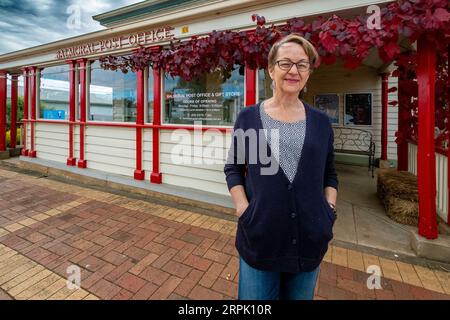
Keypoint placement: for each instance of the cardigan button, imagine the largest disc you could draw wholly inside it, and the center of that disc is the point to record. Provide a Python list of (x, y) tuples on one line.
[(289, 187), (293, 215), (294, 241)]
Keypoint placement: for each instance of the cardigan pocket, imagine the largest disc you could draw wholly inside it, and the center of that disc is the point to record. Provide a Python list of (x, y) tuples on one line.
[(330, 213), (243, 218)]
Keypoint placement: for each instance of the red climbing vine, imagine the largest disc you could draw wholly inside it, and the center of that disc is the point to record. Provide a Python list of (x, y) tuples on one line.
[(349, 39)]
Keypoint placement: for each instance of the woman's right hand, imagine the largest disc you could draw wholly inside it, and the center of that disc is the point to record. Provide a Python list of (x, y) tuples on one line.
[(241, 208)]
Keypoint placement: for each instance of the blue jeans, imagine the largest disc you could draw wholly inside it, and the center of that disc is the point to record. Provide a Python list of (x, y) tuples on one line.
[(256, 284)]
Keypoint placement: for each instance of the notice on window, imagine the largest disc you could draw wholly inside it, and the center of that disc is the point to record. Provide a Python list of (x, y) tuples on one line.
[(199, 106)]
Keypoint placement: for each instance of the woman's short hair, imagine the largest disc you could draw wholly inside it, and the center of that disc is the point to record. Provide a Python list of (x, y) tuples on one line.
[(310, 51)]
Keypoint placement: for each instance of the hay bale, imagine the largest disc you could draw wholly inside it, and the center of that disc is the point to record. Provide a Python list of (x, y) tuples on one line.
[(402, 211), (398, 192), (400, 184)]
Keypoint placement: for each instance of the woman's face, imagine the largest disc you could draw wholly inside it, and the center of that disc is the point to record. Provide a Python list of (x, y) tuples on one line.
[(290, 81)]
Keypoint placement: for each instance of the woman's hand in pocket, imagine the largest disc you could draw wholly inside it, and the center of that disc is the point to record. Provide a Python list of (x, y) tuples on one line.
[(241, 207)]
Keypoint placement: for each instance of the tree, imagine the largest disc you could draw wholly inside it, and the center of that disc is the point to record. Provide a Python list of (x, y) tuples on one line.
[(8, 111)]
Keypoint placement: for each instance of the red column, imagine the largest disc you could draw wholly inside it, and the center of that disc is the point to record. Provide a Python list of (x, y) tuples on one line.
[(26, 99), (71, 161), (156, 176), (82, 63), (13, 125), (139, 174), (32, 152), (448, 147), (250, 86), (3, 89), (384, 115), (426, 162), (402, 145)]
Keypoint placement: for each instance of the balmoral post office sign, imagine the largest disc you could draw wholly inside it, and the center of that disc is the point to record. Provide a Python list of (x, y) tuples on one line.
[(118, 42)]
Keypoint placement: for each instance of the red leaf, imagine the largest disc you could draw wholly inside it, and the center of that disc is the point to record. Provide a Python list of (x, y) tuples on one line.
[(328, 41)]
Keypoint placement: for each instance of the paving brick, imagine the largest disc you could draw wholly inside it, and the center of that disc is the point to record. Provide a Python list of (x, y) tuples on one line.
[(191, 238), (135, 253), (231, 269), (189, 282), (331, 292), (154, 275), (211, 275), (88, 282), (217, 256), (226, 287), (166, 288), (197, 262), (145, 292), (119, 271), (202, 293), (409, 274), (176, 269), (131, 282), (92, 263), (115, 258), (105, 289), (164, 258)]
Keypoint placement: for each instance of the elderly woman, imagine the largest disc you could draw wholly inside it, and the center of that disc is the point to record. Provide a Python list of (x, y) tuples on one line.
[(285, 215)]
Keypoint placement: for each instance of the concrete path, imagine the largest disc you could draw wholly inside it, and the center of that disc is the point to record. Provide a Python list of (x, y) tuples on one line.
[(362, 219)]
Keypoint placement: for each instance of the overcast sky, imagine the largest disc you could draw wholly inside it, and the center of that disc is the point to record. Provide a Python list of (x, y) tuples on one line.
[(28, 23)]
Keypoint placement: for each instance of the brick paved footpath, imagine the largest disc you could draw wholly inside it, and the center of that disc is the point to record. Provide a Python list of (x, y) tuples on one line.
[(133, 249)]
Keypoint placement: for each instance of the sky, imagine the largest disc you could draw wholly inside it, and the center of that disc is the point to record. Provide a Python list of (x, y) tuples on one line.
[(28, 23)]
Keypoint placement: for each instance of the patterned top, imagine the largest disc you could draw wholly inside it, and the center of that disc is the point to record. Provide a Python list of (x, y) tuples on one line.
[(291, 139)]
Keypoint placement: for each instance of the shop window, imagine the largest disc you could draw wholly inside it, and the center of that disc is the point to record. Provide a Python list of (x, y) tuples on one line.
[(112, 95), (150, 96), (209, 100), (264, 85), (54, 96)]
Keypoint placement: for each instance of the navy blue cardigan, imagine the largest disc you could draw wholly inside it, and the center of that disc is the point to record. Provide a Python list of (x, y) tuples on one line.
[(287, 226)]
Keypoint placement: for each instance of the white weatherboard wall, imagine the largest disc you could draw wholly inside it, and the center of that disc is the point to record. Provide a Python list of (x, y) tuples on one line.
[(147, 152), (442, 194), (51, 141), (336, 79), (111, 149), (203, 169)]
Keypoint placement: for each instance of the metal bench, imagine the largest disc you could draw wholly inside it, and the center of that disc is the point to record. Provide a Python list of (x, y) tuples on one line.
[(355, 141)]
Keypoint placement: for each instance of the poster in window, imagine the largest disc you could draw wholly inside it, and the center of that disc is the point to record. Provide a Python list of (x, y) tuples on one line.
[(328, 103), (358, 109)]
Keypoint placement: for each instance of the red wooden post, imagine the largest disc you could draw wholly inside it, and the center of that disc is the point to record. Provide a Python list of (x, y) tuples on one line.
[(26, 98), (426, 162), (384, 115), (448, 146), (71, 161), (139, 174), (13, 124), (250, 86), (82, 63), (3, 89), (402, 146), (32, 152), (156, 176)]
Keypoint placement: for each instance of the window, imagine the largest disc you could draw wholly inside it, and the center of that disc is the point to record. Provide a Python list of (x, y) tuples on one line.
[(150, 95), (54, 97), (112, 95), (264, 85), (208, 100)]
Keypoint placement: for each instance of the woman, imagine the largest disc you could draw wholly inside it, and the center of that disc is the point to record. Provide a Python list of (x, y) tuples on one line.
[(285, 216)]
